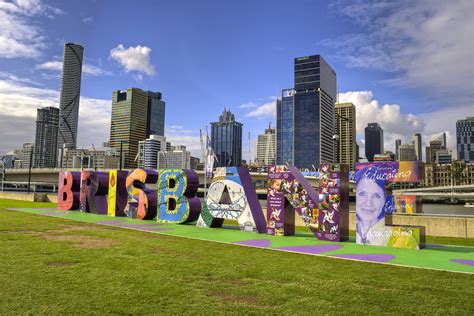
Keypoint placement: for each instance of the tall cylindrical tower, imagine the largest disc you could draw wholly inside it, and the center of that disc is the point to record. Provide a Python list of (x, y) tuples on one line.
[(70, 93)]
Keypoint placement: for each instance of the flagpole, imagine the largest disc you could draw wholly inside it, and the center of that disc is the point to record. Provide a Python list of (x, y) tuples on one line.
[(204, 156), (205, 167)]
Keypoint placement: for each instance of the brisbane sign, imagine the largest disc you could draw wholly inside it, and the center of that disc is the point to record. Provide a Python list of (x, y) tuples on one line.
[(169, 196)]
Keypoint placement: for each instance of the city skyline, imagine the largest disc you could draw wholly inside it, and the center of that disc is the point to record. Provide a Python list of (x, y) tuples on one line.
[(29, 78)]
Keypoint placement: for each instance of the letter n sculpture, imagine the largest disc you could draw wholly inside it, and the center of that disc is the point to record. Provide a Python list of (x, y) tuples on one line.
[(324, 213)]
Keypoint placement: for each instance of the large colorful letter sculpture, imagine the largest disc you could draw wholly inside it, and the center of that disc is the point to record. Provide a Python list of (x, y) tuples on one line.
[(177, 201), (117, 197), (329, 222), (142, 200), (68, 190), (371, 200), (94, 188), (231, 196)]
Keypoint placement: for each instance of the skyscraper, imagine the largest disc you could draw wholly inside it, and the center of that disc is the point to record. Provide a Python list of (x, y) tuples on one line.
[(285, 127), (373, 141), (46, 139), (314, 102), (418, 149), (156, 114), (70, 94), (398, 142), (135, 113), (305, 139), (346, 130), (129, 123), (265, 153), (226, 140), (465, 139)]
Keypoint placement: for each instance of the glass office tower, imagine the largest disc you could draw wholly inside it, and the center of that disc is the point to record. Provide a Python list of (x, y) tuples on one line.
[(226, 140)]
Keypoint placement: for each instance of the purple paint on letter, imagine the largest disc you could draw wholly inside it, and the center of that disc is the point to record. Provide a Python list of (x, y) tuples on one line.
[(464, 261), (367, 257), (261, 243), (112, 222), (311, 249), (53, 213)]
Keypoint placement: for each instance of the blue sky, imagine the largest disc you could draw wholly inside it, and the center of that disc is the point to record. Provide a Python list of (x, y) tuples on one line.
[(407, 65)]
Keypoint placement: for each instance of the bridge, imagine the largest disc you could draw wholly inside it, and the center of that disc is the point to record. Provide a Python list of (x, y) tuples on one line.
[(454, 192)]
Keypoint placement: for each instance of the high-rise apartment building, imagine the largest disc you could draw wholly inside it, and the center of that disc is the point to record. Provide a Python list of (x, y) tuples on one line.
[(373, 141), (149, 149), (156, 114), (226, 140), (465, 139), (407, 152), (265, 153), (46, 137), (27, 155), (416, 139), (346, 131), (70, 94), (398, 142)]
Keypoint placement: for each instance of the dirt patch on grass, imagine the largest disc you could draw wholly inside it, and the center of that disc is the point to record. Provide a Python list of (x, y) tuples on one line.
[(59, 264), (81, 241), (245, 300)]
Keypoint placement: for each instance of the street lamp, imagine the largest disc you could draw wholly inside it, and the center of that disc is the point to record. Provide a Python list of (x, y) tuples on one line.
[(121, 150)]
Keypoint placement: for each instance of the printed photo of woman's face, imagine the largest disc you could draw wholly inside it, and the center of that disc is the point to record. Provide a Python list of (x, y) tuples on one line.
[(370, 200)]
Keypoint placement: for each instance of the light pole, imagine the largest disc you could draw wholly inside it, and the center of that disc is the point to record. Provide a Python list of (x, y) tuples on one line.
[(29, 168)]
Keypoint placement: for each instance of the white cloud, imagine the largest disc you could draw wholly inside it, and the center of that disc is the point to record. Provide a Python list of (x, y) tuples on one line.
[(428, 43), (134, 59), (87, 69), (398, 125), (20, 37), (395, 124), (177, 135), (263, 111), (12, 77), (19, 101), (89, 19), (248, 105)]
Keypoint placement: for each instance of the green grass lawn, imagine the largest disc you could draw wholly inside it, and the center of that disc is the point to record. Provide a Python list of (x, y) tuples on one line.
[(55, 266)]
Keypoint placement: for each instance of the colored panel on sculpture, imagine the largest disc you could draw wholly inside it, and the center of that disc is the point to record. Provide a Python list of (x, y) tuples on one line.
[(142, 200), (372, 204), (68, 190), (177, 201), (94, 188), (117, 195), (402, 204), (231, 196), (287, 183)]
